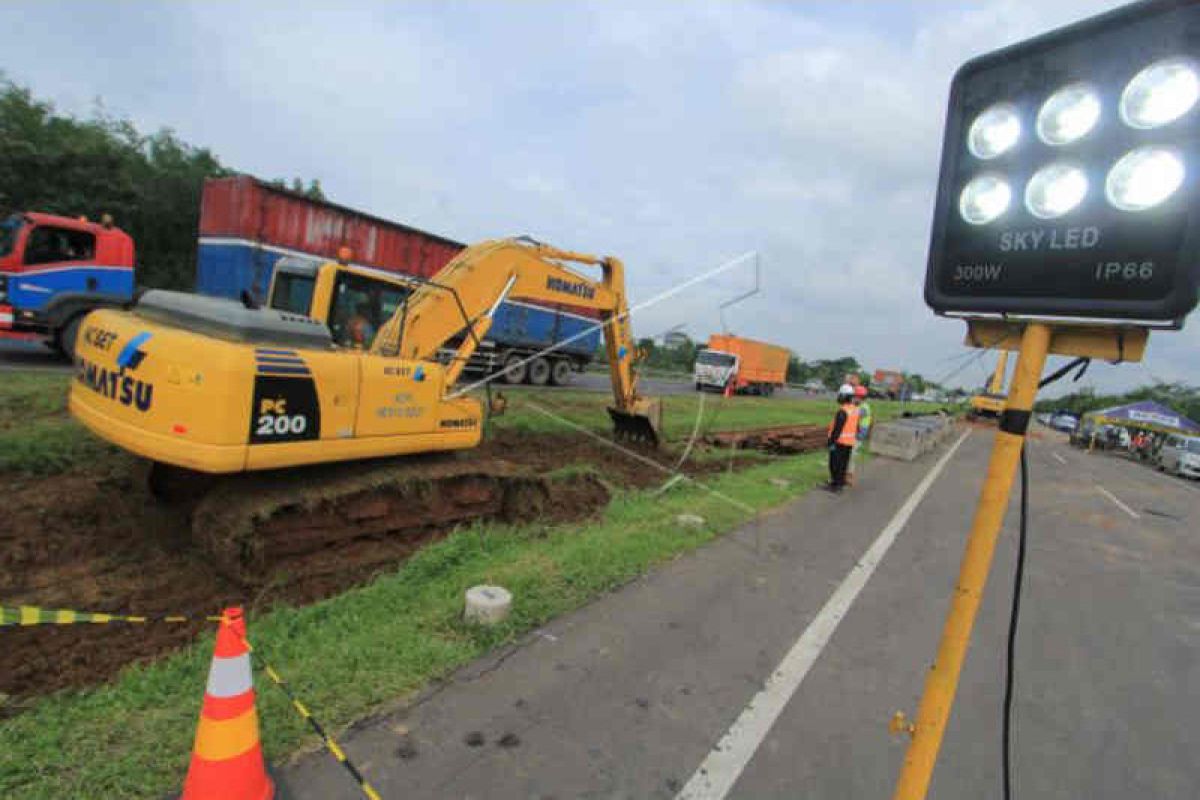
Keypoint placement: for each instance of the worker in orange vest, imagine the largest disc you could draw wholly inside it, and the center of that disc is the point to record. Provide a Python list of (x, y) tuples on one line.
[(843, 435)]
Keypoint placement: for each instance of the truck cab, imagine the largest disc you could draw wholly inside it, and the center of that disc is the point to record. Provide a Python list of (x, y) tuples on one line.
[(741, 366), (53, 270), (714, 369)]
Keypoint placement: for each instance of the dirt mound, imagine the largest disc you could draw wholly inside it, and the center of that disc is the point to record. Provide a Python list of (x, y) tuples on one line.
[(100, 542), (784, 440)]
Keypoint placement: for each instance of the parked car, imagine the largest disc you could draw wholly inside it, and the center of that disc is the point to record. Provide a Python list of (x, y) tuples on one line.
[(1180, 455), (1064, 422)]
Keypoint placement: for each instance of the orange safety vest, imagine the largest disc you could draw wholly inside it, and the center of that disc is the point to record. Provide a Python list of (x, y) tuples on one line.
[(849, 434)]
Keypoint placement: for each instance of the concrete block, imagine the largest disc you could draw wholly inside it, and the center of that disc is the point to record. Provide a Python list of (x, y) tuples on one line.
[(690, 520), (487, 605), (896, 440)]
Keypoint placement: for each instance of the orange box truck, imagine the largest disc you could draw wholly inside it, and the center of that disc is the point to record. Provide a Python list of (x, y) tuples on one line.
[(752, 367)]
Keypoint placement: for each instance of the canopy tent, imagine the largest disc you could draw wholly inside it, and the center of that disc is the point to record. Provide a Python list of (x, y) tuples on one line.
[(1147, 415)]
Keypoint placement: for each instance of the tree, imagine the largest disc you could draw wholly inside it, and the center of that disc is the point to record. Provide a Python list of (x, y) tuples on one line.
[(150, 185), (313, 191), (916, 383)]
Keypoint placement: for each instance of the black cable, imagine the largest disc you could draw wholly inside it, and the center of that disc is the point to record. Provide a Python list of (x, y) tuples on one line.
[(1018, 580), (1082, 363)]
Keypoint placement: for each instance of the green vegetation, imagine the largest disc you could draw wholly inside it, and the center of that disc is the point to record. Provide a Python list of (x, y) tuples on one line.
[(36, 434), (586, 410), (354, 654), (1181, 397), (150, 184)]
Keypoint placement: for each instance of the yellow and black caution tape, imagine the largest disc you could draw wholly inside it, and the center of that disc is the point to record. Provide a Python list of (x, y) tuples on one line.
[(334, 749), (34, 615)]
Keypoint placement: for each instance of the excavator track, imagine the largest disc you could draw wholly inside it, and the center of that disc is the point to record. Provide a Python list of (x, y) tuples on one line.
[(325, 521)]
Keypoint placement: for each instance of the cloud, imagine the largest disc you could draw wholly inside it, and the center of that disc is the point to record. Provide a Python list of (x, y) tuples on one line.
[(673, 135)]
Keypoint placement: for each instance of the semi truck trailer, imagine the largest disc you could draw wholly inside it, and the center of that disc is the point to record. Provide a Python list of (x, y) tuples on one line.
[(247, 226)]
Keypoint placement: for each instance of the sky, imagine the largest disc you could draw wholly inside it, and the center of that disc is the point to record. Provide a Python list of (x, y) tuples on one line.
[(674, 135)]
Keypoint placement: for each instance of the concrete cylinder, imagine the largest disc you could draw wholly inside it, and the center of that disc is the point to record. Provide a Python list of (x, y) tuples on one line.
[(487, 605)]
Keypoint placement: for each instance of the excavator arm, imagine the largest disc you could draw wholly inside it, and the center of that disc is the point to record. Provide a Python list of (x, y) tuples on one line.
[(462, 299)]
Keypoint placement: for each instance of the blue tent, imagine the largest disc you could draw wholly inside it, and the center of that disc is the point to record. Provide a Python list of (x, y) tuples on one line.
[(1147, 415)]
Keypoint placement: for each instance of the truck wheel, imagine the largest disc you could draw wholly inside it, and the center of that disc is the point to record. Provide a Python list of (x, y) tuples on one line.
[(539, 371), (515, 369), (68, 337), (560, 372)]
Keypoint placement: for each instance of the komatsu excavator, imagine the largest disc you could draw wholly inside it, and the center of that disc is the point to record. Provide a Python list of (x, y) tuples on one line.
[(217, 386)]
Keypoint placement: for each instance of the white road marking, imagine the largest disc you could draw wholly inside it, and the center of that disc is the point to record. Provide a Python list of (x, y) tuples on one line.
[(1061, 460), (1120, 505), (720, 770)]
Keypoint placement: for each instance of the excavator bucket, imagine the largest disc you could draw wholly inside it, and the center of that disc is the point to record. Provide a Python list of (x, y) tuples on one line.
[(642, 422)]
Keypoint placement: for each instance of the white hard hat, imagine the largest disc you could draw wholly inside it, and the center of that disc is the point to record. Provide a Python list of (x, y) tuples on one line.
[(846, 389)]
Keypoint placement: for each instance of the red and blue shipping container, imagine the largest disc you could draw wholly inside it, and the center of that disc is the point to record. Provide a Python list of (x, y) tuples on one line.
[(247, 225)]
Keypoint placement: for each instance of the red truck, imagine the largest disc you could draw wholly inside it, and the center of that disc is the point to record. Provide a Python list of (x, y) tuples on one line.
[(888, 383), (751, 367), (54, 270)]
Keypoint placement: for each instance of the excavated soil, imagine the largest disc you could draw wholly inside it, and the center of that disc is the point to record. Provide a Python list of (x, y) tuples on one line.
[(100, 542)]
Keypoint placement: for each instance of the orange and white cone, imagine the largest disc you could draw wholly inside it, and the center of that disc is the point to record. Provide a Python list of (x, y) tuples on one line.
[(227, 759)]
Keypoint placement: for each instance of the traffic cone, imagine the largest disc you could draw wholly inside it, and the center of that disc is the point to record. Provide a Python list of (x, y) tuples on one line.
[(227, 759)]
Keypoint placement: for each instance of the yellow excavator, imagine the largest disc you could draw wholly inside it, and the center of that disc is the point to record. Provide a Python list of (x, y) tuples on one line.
[(220, 386), (990, 402)]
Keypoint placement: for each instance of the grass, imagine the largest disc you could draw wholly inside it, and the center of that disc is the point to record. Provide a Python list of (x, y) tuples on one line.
[(356, 653), (586, 409), (37, 436)]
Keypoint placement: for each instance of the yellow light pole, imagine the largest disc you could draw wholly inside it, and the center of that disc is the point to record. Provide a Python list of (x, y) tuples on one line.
[(1037, 340), (942, 681), (988, 263)]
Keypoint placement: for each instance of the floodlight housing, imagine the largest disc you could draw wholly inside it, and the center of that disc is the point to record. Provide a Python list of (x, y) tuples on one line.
[(1104, 218)]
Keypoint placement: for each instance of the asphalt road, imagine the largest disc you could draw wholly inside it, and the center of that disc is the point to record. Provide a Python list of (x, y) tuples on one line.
[(630, 695), (30, 355)]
